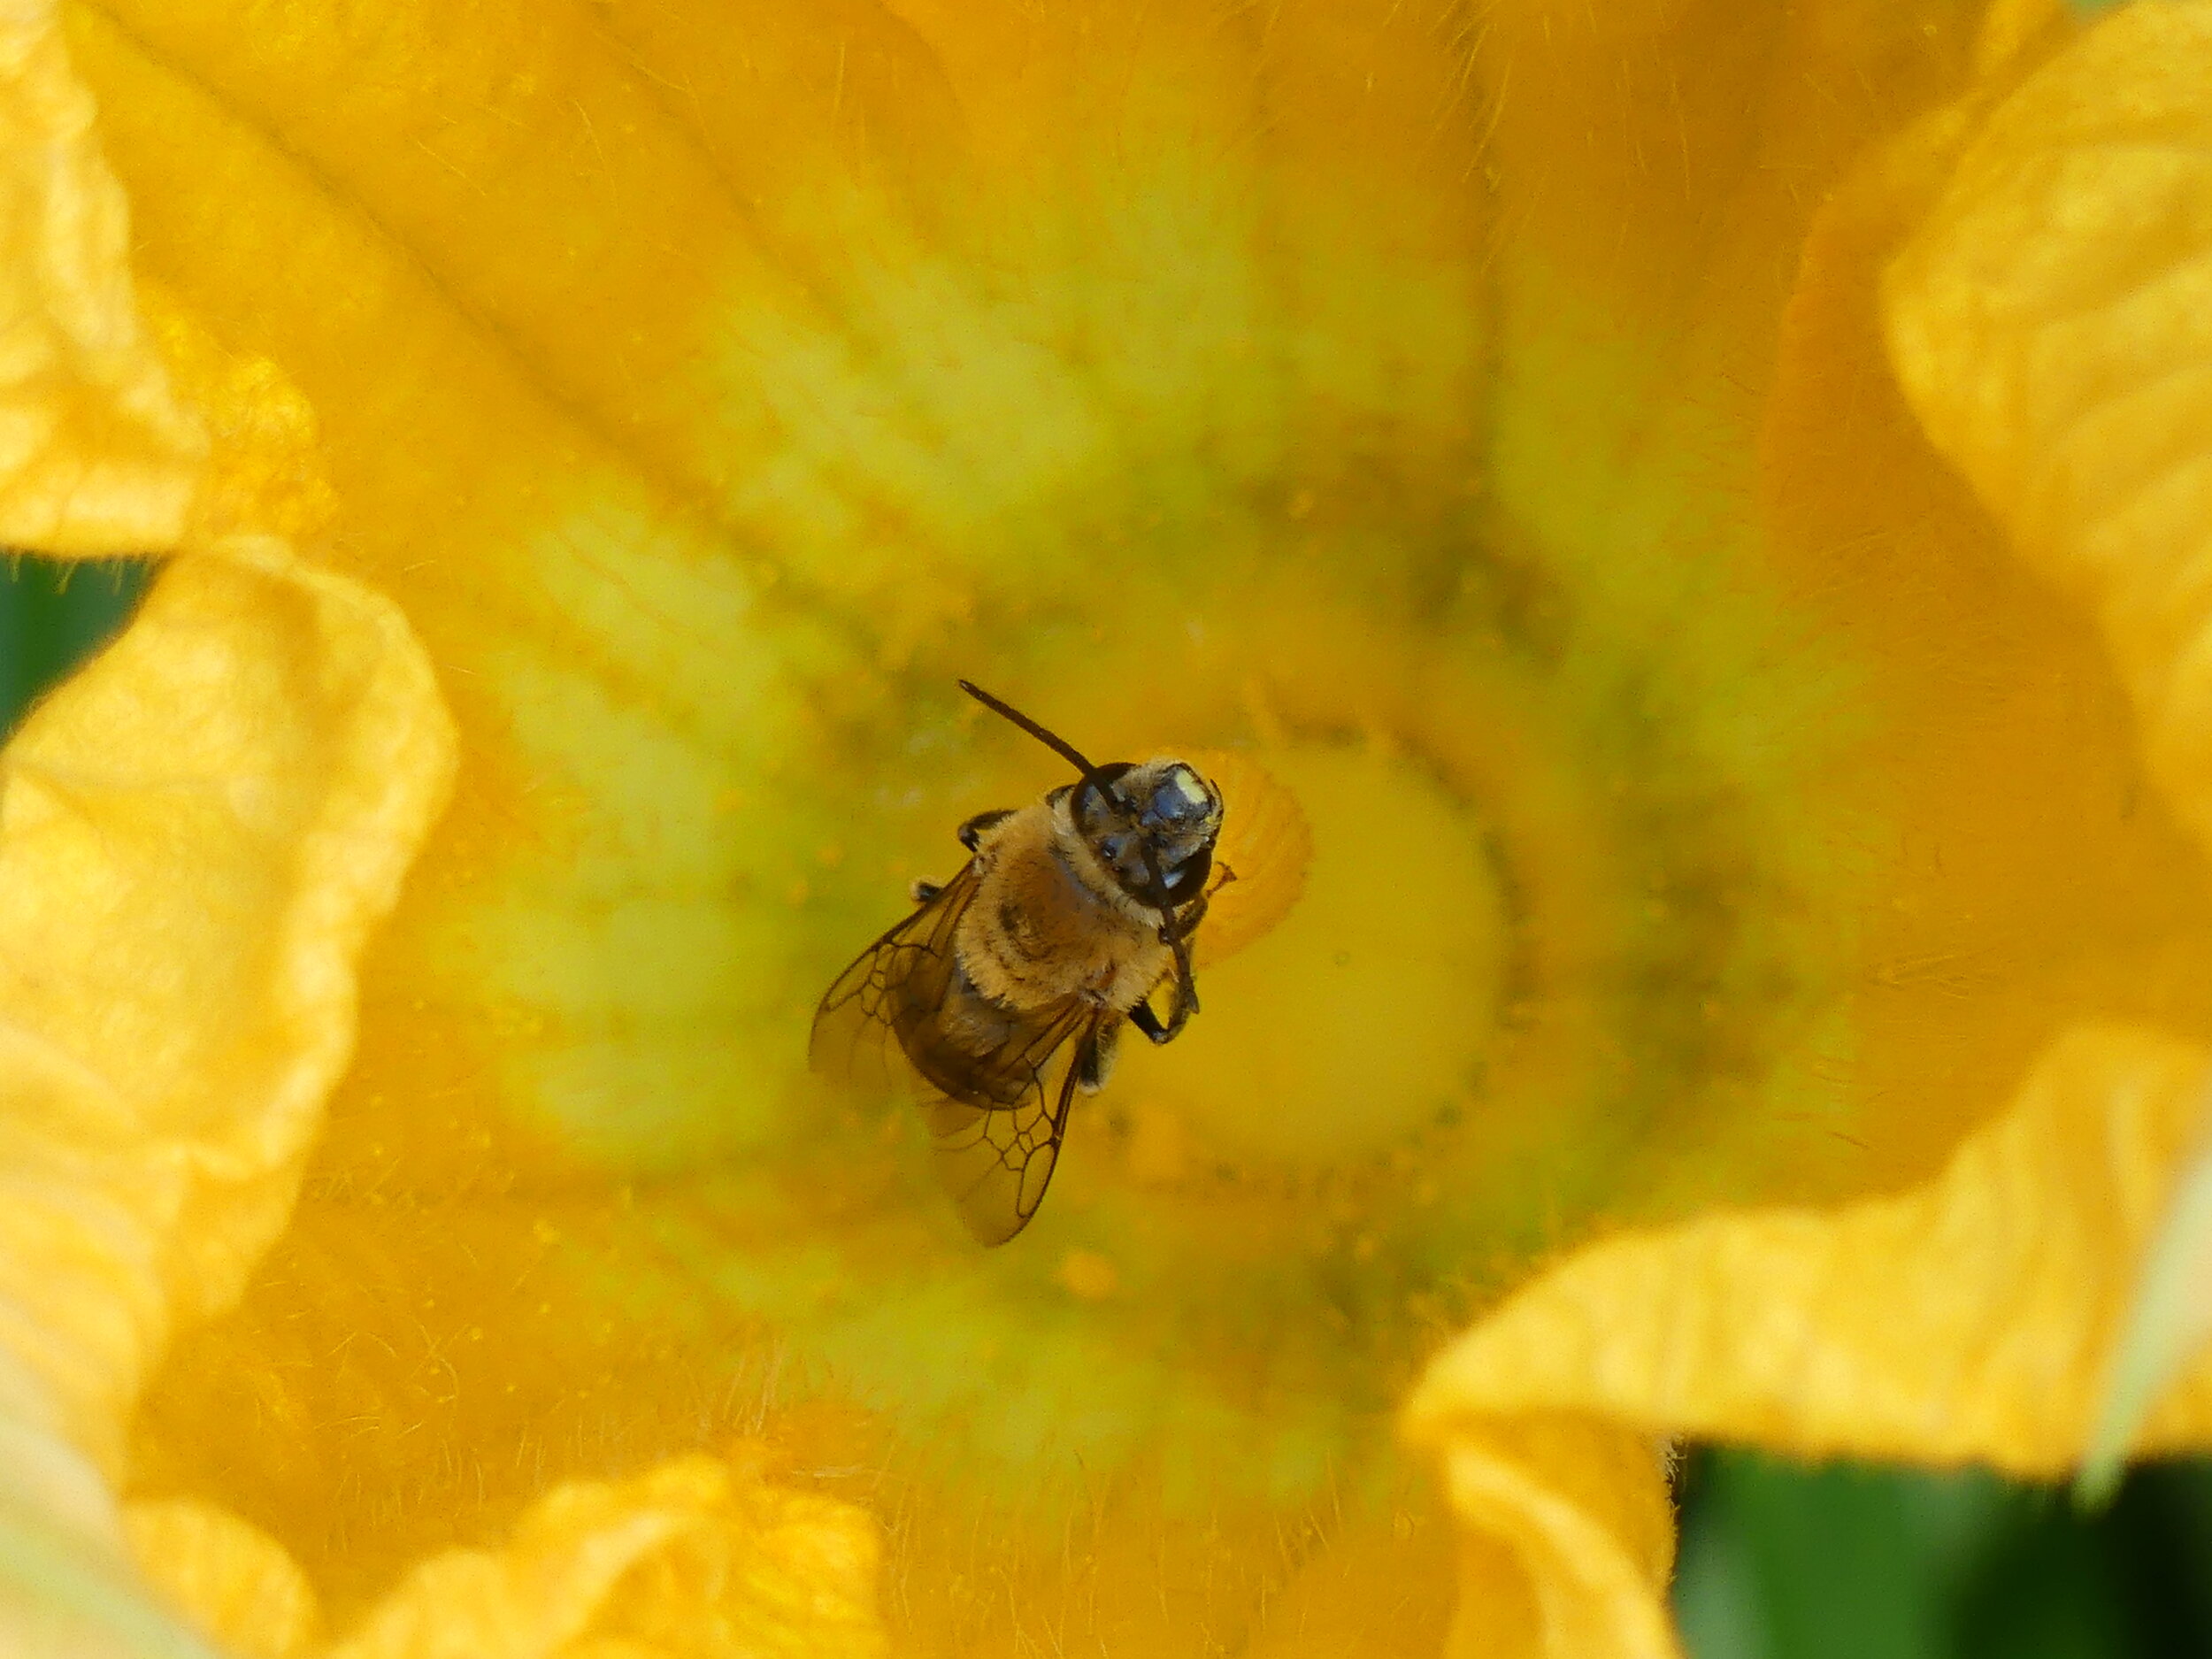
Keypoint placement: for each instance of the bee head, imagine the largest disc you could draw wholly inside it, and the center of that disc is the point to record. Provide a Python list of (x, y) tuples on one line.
[(1153, 825)]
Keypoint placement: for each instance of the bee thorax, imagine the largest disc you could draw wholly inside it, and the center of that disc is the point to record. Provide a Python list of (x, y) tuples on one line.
[(1043, 929)]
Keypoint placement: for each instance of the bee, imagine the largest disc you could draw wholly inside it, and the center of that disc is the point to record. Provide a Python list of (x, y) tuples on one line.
[(1007, 988)]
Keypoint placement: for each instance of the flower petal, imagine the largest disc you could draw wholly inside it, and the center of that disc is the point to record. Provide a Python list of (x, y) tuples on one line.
[(2168, 1324), (647, 1566), (1971, 1319), (196, 835), (195, 838), (2042, 322), (234, 1580), (634, 1567), (228, 798), (2049, 322), (96, 454)]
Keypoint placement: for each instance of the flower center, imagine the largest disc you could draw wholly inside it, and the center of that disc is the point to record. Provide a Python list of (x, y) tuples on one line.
[(1364, 1014)]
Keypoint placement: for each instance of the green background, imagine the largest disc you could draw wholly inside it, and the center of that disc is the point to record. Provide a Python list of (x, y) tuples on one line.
[(1778, 1561), (52, 616), (1850, 1561)]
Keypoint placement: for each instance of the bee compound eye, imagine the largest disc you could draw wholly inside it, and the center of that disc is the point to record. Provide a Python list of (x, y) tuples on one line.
[(1181, 797)]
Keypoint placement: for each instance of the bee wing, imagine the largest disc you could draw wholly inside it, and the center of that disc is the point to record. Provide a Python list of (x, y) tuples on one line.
[(880, 1002), (998, 1115), (996, 1160)]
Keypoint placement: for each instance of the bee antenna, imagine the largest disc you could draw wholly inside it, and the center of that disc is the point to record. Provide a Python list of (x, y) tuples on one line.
[(1059, 746)]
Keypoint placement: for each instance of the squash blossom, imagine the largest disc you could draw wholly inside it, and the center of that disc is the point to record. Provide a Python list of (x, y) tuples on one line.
[(1684, 530)]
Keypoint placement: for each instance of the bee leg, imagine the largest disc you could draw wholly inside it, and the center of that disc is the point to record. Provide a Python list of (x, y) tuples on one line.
[(1186, 923), (925, 891), (971, 831), (1094, 1061), (1180, 1010), (1184, 1001)]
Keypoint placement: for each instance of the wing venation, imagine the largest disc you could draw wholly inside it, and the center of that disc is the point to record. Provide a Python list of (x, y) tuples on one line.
[(997, 1084)]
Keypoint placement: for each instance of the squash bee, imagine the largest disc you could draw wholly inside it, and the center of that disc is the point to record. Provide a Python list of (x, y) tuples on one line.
[(1067, 915)]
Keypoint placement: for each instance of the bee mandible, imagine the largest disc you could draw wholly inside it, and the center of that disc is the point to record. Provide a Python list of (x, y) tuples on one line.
[(1008, 985)]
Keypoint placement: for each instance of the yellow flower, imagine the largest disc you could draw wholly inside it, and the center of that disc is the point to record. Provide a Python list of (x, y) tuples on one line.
[(1752, 862)]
